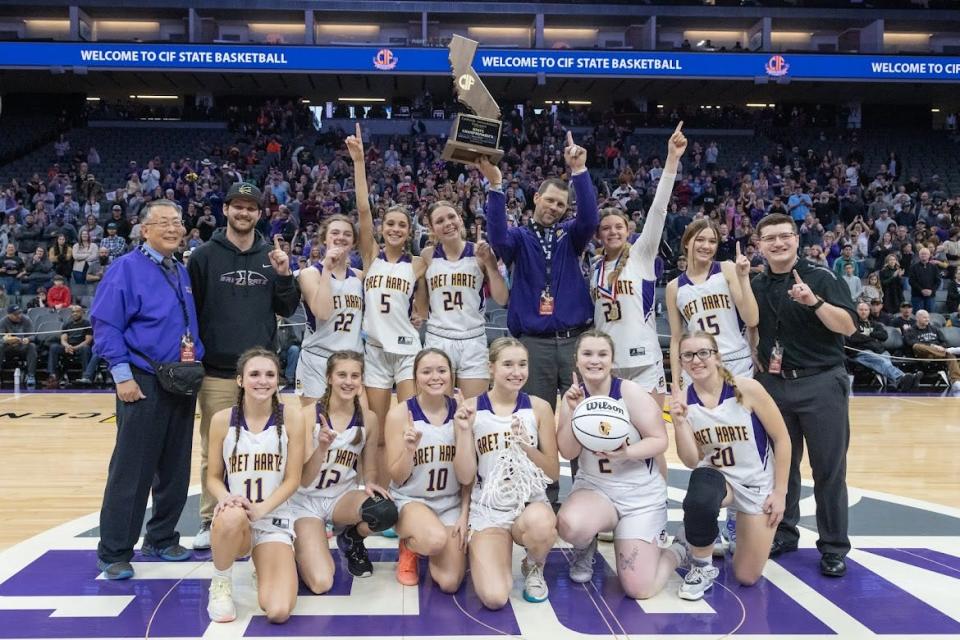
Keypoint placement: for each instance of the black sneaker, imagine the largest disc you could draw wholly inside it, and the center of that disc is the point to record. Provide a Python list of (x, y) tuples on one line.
[(350, 543)]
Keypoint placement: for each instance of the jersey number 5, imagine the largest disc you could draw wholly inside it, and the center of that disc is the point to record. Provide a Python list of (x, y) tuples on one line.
[(385, 303)]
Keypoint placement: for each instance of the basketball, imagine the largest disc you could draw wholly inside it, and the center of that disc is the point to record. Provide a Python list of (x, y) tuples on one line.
[(601, 423)]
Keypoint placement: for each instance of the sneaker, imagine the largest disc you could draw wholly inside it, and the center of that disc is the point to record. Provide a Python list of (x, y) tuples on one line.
[(220, 605), (350, 543), (115, 570), (389, 533), (907, 382), (408, 567), (84, 381), (31, 381), (201, 541), (534, 584), (680, 548), (581, 568), (729, 531), (698, 581), (173, 553), (955, 388)]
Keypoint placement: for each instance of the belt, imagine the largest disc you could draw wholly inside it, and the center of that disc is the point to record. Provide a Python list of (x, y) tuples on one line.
[(793, 374), (557, 335)]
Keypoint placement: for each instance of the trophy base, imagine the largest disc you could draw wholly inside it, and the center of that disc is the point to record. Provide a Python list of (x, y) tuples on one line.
[(471, 138), (470, 154)]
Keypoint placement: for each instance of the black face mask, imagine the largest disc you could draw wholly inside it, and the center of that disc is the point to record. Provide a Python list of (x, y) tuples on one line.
[(104, 260)]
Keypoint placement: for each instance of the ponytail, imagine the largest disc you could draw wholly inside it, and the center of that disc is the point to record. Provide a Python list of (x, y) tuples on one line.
[(729, 379)]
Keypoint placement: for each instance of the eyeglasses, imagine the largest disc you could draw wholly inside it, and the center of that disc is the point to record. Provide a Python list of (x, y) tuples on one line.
[(165, 224), (782, 237), (702, 354)]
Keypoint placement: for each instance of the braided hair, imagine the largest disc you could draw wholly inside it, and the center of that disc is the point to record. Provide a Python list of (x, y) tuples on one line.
[(276, 408), (724, 372), (324, 403), (623, 256)]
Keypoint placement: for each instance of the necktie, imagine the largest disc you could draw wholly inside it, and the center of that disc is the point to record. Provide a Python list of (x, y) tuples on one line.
[(168, 264)]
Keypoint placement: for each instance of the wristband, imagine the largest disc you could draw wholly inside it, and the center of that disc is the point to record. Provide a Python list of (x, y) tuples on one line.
[(496, 187), (819, 303)]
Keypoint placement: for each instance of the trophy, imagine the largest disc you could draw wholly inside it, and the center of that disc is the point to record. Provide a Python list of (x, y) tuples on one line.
[(472, 136)]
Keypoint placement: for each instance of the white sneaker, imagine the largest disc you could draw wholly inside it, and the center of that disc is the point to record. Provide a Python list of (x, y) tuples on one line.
[(954, 351), (581, 568), (719, 547), (955, 388), (220, 606), (201, 541), (698, 581), (534, 584), (680, 548)]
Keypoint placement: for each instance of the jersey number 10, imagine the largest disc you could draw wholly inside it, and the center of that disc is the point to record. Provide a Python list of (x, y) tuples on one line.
[(438, 479)]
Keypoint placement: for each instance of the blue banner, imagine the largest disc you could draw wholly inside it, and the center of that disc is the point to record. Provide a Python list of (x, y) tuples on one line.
[(511, 62)]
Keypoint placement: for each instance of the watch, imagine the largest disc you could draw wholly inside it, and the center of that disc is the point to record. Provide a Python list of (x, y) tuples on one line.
[(819, 303)]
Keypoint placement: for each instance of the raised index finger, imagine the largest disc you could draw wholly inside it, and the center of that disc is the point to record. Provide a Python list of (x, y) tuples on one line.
[(570, 142), (276, 242), (796, 276), (358, 134), (737, 244), (679, 126)]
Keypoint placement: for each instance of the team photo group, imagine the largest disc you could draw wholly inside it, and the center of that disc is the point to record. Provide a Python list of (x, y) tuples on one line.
[(465, 461)]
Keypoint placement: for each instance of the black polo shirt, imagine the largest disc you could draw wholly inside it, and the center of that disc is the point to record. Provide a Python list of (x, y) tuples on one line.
[(806, 341)]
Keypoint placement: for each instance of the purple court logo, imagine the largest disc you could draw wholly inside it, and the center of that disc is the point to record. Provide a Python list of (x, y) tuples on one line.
[(385, 60), (777, 66), (903, 577)]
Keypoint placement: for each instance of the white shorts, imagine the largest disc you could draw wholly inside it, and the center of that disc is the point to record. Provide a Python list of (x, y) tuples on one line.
[(311, 375), (481, 518), (651, 377), (469, 357), (641, 517), (448, 515), (319, 507), (749, 500), (276, 527), (381, 370)]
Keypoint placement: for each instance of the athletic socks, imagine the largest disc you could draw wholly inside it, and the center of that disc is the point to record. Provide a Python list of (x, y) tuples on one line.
[(226, 574)]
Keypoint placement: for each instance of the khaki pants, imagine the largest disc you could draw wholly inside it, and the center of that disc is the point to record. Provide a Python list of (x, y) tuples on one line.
[(215, 394), (926, 351)]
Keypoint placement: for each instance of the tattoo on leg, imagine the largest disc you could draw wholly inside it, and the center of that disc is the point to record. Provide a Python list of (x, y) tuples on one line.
[(625, 562)]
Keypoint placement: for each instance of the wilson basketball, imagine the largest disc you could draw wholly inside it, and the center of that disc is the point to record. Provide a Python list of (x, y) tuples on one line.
[(601, 423)]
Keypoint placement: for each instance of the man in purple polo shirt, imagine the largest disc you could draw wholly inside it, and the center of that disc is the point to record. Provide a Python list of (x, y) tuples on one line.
[(550, 303)]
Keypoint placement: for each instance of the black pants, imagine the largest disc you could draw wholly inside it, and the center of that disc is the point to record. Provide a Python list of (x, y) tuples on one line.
[(815, 410), (26, 351), (152, 454), (551, 366)]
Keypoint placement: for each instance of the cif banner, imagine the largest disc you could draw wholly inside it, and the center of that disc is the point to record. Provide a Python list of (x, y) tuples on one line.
[(511, 62)]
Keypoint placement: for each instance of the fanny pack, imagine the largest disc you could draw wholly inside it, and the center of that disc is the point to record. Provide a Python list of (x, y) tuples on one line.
[(178, 378)]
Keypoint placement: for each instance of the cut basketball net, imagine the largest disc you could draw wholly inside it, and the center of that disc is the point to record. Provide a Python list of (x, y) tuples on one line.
[(514, 479)]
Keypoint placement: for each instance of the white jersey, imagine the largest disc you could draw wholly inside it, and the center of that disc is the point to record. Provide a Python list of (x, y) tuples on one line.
[(432, 477), (709, 307), (456, 295), (341, 331), (388, 302), (490, 433), (732, 440), (255, 462), (339, 471), (641, 475), (625, 309)]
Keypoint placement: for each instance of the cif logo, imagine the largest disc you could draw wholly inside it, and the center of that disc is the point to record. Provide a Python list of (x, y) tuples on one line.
[(385, 60), (465, 82), (777, 66), (605, 428)]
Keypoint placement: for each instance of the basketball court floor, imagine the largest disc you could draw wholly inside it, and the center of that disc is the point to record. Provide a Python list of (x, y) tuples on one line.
[(903, 577)]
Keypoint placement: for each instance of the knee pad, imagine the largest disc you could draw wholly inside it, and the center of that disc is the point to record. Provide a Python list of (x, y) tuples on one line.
[(701, 506), (379, 513)]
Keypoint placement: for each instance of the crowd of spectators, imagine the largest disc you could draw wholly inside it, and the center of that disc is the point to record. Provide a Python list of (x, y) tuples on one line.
[(893, 236)]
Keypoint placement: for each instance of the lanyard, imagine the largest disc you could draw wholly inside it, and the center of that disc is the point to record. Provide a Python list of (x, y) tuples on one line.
[(547, 239), (177, 291)]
